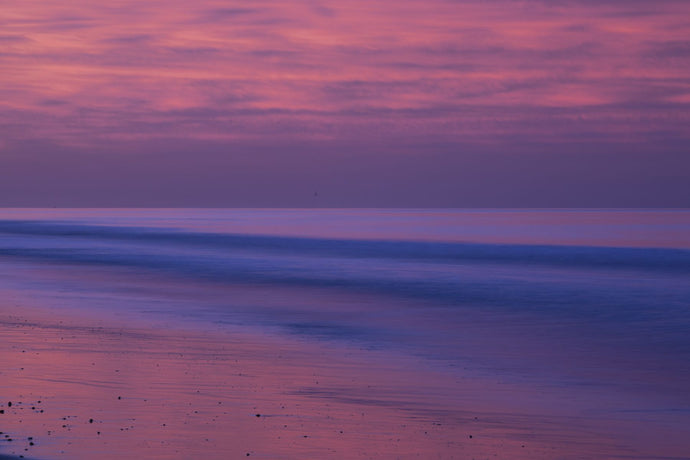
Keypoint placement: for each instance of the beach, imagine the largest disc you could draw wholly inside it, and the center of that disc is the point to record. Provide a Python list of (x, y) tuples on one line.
[(161, 339), (89, 390), (95, 391)]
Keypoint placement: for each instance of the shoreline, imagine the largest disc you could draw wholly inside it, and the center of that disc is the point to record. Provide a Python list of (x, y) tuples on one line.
[(185, 347), (112, 391)]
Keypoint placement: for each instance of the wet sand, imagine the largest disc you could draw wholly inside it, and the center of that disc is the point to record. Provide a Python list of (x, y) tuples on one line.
[(85, 388)]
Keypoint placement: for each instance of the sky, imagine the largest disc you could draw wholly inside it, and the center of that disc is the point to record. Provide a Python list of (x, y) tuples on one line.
[(358, 103)]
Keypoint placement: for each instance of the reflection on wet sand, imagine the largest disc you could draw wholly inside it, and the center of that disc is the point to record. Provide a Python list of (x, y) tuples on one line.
[(95, 391)]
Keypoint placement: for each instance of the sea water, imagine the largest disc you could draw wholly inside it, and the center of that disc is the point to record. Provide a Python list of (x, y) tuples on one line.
[(580, 313)]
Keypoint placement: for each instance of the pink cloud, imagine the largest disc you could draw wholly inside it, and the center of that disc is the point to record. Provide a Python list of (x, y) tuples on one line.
[(312, 64), (80, 74)]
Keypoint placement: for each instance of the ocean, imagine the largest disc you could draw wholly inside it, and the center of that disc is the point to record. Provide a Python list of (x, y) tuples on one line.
[(498, 333)]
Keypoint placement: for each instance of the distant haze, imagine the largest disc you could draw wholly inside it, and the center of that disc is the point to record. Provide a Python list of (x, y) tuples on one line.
[(402, 103)]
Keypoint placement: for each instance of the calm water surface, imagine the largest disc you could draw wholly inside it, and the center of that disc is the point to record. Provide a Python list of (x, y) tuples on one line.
[(352, 333)]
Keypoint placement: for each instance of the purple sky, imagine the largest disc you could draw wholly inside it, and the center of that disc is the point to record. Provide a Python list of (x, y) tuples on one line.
[(369, 103)]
